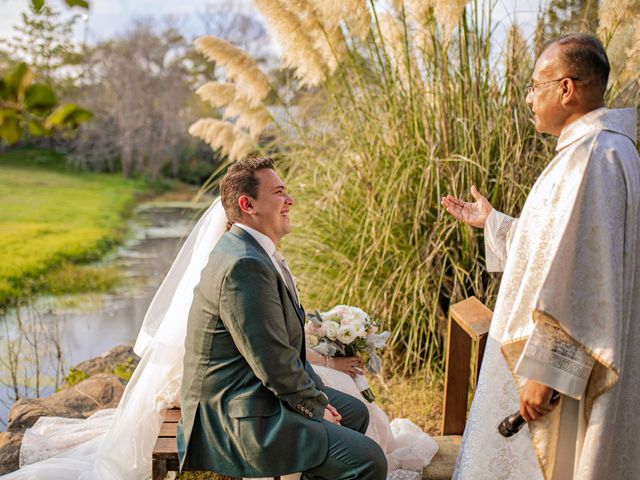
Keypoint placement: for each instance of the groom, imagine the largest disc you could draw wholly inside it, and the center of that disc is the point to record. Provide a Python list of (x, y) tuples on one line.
[(251, 404)]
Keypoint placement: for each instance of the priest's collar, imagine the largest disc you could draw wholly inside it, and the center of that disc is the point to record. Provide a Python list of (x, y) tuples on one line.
[(622, 121)]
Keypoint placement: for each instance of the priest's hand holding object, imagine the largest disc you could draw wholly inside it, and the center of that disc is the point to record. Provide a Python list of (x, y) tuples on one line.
[(536, 400)]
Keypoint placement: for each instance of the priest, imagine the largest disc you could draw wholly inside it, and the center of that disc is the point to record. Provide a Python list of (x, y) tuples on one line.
[(567, 317)]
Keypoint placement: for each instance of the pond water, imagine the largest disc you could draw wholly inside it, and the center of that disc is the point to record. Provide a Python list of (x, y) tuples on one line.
[(59, 332)]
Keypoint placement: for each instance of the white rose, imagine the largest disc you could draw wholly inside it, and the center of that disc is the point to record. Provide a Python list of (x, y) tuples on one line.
[(359, 314), (359, 329), (346, 334), (310, 328), (330, 329), (346, 320), (312, 341)]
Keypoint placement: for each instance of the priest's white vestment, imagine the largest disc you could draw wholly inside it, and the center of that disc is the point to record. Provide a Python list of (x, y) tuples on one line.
[(571, 260)]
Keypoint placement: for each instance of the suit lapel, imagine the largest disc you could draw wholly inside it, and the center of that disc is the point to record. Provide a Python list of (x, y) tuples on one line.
[(247, 237)]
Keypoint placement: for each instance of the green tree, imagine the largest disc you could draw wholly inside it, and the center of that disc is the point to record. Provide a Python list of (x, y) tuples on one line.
[(44, 40), (25, 105), (38, 4)]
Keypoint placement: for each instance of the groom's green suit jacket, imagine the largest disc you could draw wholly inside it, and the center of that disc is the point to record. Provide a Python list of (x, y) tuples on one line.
[(251, 405)]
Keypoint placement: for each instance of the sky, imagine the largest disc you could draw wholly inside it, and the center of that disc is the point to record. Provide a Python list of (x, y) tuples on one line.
[(108, 18)]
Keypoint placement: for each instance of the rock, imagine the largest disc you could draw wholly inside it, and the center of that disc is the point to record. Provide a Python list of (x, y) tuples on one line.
[(94, 393), (442, 464), (105, 363), (9, 451)]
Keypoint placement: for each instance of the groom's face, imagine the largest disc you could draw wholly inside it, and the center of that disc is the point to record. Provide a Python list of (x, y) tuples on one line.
[(272, 205)]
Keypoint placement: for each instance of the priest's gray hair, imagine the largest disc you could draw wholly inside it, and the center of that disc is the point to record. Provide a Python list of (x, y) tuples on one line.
[(587, 59)]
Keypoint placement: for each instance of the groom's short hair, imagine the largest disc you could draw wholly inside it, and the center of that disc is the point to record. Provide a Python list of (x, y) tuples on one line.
[(241, 180)]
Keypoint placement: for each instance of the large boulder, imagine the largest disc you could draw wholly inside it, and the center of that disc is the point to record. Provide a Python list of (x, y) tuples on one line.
[(105, 363), (94, 393), (10, 451)]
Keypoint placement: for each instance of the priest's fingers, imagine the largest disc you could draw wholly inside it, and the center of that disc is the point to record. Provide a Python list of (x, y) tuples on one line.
[(528, 413), (453, 208), (454, 200), (475, 193)]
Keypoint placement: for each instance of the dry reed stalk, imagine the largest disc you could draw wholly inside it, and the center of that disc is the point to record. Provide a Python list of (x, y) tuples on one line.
[(403, 62), (298, 50), (631, 73), (255, 120), (448, 13), (323, 30), (217, 94), (241, 147), (217, 133), (611, 14), (358, 18), (420, 11), (240, 67)]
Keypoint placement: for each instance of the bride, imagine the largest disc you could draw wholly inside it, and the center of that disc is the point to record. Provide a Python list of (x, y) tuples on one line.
[(117, 443)]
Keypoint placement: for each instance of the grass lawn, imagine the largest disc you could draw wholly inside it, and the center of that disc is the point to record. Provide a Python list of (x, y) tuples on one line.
[(51, 216)]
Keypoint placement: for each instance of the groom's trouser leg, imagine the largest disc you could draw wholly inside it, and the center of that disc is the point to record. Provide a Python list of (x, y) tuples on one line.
[(355, 414), (351, 456)]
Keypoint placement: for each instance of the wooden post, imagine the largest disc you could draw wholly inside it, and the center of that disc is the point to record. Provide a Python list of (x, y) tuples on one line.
[(469, 321)]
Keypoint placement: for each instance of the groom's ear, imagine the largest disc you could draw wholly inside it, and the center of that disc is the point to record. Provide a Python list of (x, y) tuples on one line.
[(246, 205)]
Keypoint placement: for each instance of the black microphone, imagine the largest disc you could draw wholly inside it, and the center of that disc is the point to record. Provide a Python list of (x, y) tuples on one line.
[(513, 423)]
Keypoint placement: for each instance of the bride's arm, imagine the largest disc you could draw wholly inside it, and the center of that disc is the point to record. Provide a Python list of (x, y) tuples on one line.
[(350, 365), (319, 359)]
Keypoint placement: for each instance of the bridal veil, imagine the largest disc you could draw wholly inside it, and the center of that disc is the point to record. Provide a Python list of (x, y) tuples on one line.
[(117, 444)]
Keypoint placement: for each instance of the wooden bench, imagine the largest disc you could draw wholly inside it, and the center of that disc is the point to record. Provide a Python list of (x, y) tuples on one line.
[(165, 452), (468, 327)]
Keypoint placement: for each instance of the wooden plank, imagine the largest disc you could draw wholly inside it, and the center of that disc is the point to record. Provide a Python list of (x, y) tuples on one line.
[(472, 316), (456, 387), (158, 469), (165, 445), (482, 343), (168, 430), (172, 415)]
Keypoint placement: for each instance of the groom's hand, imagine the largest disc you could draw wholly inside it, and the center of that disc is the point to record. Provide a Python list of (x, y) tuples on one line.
[(474, 214), (535, 400), (331, 414)]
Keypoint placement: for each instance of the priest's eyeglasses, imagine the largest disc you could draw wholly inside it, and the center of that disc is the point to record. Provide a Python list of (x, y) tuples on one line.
[(532, 87)]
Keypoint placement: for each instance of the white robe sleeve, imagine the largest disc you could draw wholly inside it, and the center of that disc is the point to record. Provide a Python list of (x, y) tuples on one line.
[(498, 234), (553, 358)]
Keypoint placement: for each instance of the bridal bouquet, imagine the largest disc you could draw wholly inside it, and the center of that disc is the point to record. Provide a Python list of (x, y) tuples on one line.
[(347, 331)]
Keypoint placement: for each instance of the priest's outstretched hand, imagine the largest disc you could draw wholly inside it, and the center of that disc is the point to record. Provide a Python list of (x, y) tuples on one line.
[(474, 214)]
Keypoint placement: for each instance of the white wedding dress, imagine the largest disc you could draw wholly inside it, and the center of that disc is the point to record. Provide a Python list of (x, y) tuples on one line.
[(116, 444)]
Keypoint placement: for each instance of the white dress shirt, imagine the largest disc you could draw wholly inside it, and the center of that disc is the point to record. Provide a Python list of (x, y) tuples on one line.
[(266, 243)]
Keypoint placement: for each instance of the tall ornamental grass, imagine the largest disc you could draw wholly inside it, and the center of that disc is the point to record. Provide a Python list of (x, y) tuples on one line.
[(391, 113), (422, 108)]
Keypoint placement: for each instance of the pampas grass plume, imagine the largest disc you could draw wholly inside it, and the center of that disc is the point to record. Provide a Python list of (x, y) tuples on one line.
[(217, 133), (447, 13), (358, 17), (240, 67), (298, 50), (217, 94)]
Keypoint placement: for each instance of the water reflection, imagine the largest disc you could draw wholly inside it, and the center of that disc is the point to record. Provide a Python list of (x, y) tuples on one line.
[(54, 333)]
